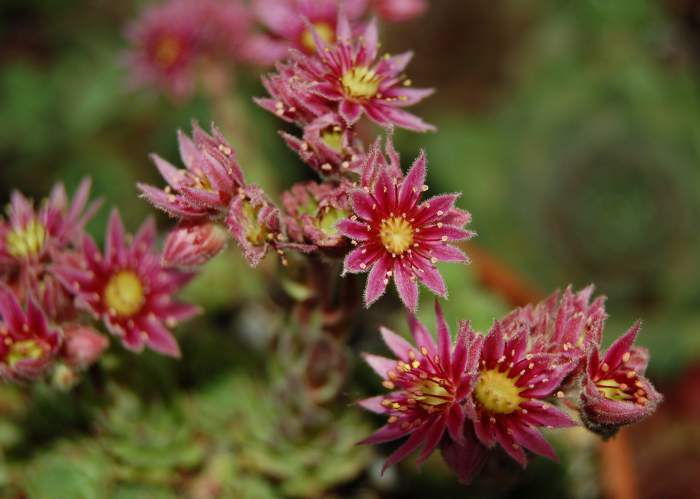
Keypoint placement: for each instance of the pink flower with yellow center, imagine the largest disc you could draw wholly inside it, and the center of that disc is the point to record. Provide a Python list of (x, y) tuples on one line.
[(429, 385), (166, 43), (512, 391), (399, 238), (30, 236), (27, 343), (289, 24), (172, 41), (210, 180), (615, 390), (129, 289), (354, 81)]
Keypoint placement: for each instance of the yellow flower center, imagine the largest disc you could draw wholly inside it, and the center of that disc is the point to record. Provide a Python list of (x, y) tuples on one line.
[(497, 392), (167, 51), (24, 350), (333, 139), (614, 390), (360, 82), (26, 242), (124, 294), (433, 393), (329, 219), (256, 232), (396, 234), (324, 31)]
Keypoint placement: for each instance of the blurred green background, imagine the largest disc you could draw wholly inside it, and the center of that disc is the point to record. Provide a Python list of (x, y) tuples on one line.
[(573, 130)]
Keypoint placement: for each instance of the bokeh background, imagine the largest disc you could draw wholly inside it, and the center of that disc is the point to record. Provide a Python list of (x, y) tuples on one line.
[(571, 127)]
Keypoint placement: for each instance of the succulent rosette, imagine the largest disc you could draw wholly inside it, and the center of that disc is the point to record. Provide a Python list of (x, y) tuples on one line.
[(28, 344), (210, 180), (289, 23), (353, 80), (129, 289), (512, 391), (398, 237), (429, 385), (615, 390)]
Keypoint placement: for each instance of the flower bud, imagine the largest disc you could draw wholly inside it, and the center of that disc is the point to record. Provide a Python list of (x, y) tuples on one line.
[(193, 244), (82, 345), (615, 390)]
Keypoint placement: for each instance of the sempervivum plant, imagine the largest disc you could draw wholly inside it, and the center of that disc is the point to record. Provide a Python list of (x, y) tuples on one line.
[(472, 396)]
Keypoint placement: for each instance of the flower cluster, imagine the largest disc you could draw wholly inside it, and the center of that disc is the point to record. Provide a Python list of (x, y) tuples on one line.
[(500, 389), (50, 272), (172, 43), (539, 367), (364, 208)]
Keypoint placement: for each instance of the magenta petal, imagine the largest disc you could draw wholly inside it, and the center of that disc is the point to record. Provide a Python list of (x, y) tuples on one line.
[(443, 330), (350, 112), (430, 276), (543, 414), (455, 423), (412, 185), (363, 204), (448, 253), (532, 440), (622, 345), (466, 460), (380, 365), (396, 344), (160, 339), (114, 245), (406, 287), (506, 441), (421, 335), (413, 442), (407, 120), (353, 230), (386, 433), (359, 259), (374, 404), (377, 280), (432, 439)]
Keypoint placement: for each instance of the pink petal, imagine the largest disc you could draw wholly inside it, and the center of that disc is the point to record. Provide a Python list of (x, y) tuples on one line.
[(160, 339), (350, 112), (432, 439), (532, 439), (412, 185), (406, 287), (399, 346), (353, 230), (421, 335), (455, 423), (386, 433), (413, 442), (380, 365), (374, 404), (377, 280)]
